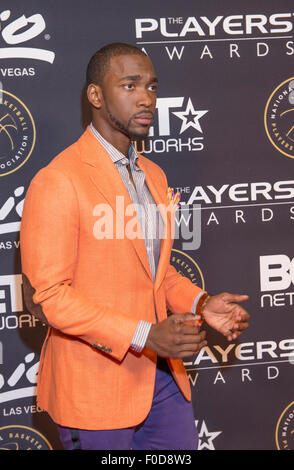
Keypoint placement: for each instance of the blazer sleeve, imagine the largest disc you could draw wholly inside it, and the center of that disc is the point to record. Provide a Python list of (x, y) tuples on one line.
[(180, 292), (49, 243)]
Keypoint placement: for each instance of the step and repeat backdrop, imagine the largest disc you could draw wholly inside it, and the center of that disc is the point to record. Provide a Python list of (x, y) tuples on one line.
[(224, 135)]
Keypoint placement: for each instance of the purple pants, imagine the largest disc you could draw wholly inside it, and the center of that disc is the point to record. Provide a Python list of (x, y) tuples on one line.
[(170, 424)]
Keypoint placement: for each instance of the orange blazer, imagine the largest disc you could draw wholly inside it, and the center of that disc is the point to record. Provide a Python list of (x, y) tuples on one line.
[(93, 292)]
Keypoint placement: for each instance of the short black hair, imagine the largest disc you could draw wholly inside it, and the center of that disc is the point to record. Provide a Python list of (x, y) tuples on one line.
[(99, 62)]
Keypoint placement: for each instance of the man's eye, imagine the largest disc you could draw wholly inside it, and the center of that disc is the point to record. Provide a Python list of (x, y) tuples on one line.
[(129, 86), (153, 87)]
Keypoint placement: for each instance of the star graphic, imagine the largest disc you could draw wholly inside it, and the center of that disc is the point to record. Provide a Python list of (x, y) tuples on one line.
[(206, 437), (190, 117)]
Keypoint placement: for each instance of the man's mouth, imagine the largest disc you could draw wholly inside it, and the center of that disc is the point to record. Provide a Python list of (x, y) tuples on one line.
[(145, 119)]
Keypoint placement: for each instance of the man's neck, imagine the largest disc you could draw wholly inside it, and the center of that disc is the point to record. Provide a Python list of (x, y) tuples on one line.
[(118, 139)]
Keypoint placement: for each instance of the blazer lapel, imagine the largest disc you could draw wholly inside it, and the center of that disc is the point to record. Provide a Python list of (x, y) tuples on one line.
[(108, 182), (160, 197)]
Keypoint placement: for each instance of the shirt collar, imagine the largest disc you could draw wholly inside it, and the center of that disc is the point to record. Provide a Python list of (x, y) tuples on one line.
[(115, 155)]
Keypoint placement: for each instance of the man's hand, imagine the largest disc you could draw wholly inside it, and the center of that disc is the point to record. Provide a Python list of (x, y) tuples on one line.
[(176, 337), (222, 313)]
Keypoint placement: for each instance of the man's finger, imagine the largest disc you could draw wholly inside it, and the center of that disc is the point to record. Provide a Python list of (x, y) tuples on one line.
[(241, 326), (191, 349), (191, 328), (184, 317), (193, 338), (187, 329), (241, 315), (235, 297)]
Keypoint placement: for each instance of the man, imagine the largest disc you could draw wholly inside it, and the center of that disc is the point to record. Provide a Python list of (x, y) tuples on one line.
[(111, 373)]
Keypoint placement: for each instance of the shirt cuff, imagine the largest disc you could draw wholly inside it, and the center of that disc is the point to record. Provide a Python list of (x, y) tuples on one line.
[(196, 300), (140, 336)]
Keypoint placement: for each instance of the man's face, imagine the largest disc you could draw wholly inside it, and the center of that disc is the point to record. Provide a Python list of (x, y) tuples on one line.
[(129, 95)]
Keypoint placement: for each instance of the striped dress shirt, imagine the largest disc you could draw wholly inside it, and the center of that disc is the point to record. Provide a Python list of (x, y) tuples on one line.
[(148, 215)]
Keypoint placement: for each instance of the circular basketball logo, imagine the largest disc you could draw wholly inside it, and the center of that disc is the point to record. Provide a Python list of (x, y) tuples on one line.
[(22, 438), (279, 118), (188, 267), (17, 133), (285, 429)]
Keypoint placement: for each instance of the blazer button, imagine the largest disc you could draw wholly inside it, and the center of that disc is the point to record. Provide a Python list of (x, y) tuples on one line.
[(102, 347)]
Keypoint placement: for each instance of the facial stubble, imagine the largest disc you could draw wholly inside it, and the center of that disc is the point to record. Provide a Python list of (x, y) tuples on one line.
[(126, 129)]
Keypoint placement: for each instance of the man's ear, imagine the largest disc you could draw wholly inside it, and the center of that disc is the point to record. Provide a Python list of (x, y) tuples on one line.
[(94, 94)]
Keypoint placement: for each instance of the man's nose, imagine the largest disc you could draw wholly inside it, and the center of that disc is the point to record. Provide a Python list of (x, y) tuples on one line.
[(145, 99)]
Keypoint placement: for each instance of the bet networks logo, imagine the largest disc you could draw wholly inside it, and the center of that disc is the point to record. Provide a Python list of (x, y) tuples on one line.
[(12, 308), (16, 32), (206, 437), (13, 296), (178, 127), (276, 278)]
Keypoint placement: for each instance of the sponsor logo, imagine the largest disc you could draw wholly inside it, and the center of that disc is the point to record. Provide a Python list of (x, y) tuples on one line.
[(176, 35), (10, 216), (264, 200), (240, 192), (285, 429), (204, 27), (12, 314), (279, 118), (276, 277), (206, 437), (177, 117), (17, 133), (22, 438), (21, 381), (25, 410), (188, 267), (17, 32), (246, 362)]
